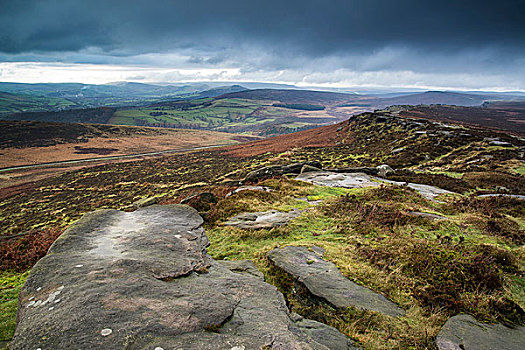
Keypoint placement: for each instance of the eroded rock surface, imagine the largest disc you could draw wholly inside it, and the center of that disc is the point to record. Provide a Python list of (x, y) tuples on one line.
[(331, 179), (513, 196), (360, 180), (324, 280), (143, 280), (262, 220), (463, 332)]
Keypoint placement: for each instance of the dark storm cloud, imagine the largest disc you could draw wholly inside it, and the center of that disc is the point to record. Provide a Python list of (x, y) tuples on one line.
[(413, 42), (313, 27)]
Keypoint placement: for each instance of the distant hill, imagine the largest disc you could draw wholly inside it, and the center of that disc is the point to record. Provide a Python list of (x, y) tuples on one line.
[(294, 96), (18, 97), (506, 116), (221, 90), (99, 115), (432, 97)]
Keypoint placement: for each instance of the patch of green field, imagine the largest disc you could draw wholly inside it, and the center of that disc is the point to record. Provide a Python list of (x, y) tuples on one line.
[(10, 285), (231, 115)]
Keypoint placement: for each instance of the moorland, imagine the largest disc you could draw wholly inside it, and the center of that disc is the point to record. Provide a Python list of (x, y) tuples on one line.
[(465, 255)]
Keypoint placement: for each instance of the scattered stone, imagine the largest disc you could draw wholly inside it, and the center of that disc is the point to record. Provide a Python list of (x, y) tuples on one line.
[(145, 202), (463, 332), (427, 215), (366, 170), (278, 170), (514, 196), (157, 291), (398, 150), (323, 280), (308, 168), (383, 170), (201, 201), (250, 188), (262, 220), (347, 180), (501, 144), (105, 332)]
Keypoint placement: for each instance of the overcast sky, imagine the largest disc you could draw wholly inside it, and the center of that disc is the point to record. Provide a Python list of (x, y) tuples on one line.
[(461, 44)]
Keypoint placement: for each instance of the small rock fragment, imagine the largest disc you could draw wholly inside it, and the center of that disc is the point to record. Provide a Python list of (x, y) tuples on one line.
[(105, 332)]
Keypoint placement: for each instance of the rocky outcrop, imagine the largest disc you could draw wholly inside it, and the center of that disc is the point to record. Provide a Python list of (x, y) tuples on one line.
[(262, 220), (143, 280), (347, 180), (324, 280), (463, 332), (360, 180), (278, 170), (144, 202), (513, 196)]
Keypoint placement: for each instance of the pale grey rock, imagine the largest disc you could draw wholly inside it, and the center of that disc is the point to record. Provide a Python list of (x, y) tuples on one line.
[(463, 332), (147, 282), (262, 220), (144, 202), (514, 196), (308, 168), (324, 280), (427, 215), (331, 179), (384, 170), (426, 191)]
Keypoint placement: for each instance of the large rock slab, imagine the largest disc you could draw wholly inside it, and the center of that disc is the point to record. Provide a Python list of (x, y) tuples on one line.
[(262, 219), (143, 280), (463, 332), (331, 179), (324, 280), (513, 196), (360, 180)]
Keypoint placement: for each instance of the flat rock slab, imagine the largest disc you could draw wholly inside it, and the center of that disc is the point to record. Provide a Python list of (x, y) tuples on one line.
[(426, 191), (324, 280), (463, 332), (513, 196), (143, 280), (331, 179), (262, 220), (360, 180)]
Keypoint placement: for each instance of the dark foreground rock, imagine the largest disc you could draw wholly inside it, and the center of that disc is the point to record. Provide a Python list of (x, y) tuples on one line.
[(143, 280), (325, 281), (278, 170), (463, 332)]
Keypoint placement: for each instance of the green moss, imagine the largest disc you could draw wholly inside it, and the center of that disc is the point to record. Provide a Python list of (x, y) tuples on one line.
[(11, 284)]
